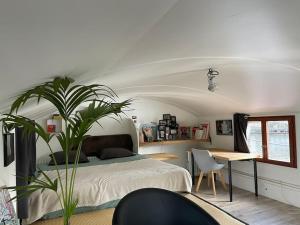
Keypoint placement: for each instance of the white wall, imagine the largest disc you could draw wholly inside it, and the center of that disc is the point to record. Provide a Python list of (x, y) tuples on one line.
[(277, 182)]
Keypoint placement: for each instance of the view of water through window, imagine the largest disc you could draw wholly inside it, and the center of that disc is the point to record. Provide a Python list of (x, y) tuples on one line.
[(277, 138), (254, 137)]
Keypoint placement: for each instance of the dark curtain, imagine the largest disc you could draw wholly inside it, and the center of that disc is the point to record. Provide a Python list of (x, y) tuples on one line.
[(25, 166), (240, 128)]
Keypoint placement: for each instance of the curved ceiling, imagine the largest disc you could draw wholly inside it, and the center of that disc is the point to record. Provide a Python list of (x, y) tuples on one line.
[(159, 49)]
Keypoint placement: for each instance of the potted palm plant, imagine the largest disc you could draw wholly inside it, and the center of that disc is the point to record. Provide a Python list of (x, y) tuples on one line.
[(66, 97)]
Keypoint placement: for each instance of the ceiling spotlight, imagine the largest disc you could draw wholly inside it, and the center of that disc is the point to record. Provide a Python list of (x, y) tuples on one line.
[(211, 82)]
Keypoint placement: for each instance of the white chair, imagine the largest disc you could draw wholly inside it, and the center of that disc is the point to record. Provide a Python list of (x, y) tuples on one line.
[(208, 166)]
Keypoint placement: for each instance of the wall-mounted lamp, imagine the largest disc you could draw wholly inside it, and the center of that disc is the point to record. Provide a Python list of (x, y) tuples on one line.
[(211, 82)]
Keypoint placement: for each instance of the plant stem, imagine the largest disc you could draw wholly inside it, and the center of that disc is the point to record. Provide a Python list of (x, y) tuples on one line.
[(74, 170), (58, 175), (67, 201)]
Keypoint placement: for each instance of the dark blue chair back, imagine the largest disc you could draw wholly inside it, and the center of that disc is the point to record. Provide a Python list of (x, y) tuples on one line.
[(153, 206)]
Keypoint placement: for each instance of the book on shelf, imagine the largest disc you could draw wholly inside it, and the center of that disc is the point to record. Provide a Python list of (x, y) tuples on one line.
[(204, 126)]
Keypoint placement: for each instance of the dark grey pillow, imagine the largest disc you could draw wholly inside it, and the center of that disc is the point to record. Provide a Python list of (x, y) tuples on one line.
[(61, 159), (110, 153)]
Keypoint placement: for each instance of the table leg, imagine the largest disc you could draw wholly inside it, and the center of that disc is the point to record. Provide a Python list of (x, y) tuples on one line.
[(255, 176), (193, 168), (230, 180)]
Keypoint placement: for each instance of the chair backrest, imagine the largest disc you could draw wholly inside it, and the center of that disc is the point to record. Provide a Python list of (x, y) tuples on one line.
[(153, 206), (203, 160)]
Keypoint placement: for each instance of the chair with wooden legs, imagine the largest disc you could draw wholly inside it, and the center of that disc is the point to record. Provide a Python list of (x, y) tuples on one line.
[(209, 167)]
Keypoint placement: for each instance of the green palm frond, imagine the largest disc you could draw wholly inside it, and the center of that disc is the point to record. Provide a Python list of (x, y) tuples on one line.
[(80, 94), (83, 120), (35, 184), (67, 97), (12, 121), (63, 95)]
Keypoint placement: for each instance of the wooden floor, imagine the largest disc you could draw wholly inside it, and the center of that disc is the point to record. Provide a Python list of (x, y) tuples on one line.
[(255, 211)]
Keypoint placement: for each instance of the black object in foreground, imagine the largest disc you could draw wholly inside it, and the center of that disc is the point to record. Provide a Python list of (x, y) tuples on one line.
[(153, 206)]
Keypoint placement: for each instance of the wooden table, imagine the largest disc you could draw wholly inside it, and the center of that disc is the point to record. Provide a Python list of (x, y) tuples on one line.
[(162, 156), (231, 156)]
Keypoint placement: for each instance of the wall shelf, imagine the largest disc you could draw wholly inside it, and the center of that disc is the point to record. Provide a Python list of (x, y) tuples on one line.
[(173, 142)]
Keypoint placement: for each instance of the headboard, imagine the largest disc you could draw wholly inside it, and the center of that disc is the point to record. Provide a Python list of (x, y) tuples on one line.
[(92, 144)]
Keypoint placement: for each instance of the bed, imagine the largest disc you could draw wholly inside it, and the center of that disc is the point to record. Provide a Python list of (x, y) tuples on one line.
[(100, 184)]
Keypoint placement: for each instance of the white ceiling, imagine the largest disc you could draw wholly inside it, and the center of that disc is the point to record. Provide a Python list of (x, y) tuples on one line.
[(159, 49)]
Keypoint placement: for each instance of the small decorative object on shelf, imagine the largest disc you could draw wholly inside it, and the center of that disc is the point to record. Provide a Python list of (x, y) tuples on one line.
[(161, 131), (162, 134), (185, 132), (173, 134), (150, 132), (199, 134), (204, 126), (54, 125), (167, 116), (168, 128), (194, 130), (173, 121), (163, 122)]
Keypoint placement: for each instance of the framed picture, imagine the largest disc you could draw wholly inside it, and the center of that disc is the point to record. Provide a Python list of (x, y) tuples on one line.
[(161, 127), (148, 133), (167, 116), (168, 123), (162, 122), (167, 130), (8, 148), (224, 127), (204, 126), (162, 134), (173, 131), (185, 132), (7, 212)]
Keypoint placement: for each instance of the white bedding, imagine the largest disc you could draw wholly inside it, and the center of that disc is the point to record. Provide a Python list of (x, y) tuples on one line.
[(96, 185)]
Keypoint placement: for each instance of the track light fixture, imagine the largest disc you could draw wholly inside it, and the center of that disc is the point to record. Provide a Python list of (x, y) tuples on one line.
[(211, 82)]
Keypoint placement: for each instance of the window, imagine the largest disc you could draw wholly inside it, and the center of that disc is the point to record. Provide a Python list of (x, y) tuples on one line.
[(274, 139)]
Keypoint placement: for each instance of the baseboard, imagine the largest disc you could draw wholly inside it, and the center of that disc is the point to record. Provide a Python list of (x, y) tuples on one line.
[(275, 189)]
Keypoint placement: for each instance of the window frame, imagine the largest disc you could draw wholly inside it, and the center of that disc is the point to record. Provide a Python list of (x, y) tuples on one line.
[(292, 139)]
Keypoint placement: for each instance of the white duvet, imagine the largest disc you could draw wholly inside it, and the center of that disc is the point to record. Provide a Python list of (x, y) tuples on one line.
[(96, 185)]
